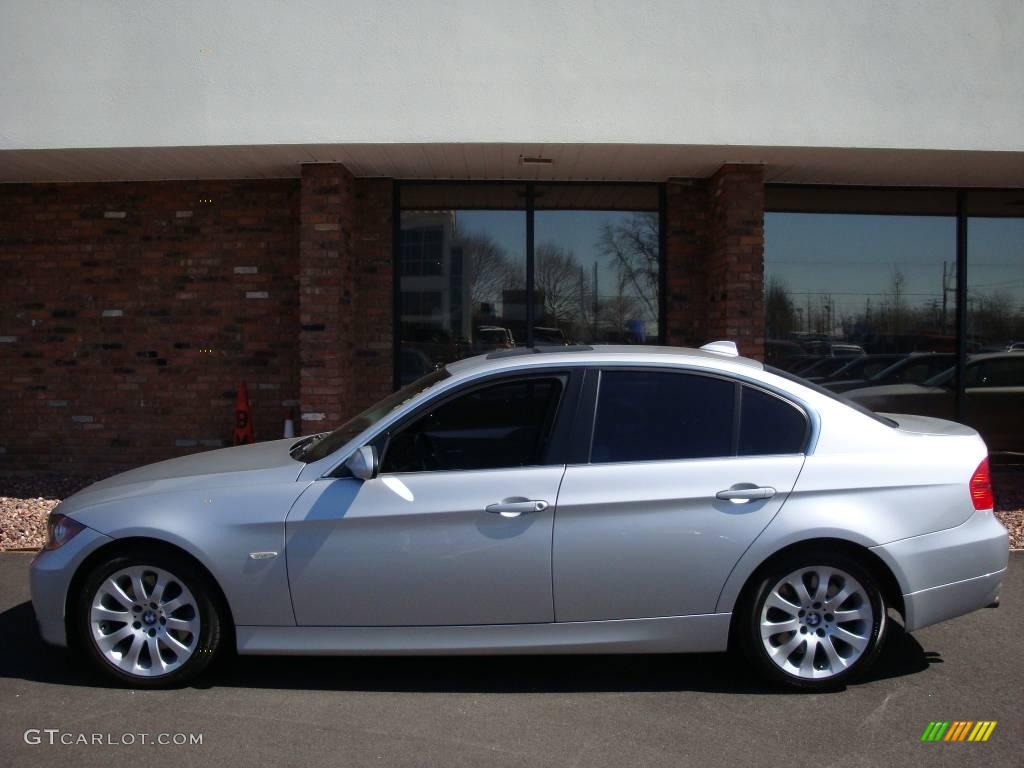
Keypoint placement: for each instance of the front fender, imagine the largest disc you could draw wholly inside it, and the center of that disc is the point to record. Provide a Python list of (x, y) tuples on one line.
[(220, 528)]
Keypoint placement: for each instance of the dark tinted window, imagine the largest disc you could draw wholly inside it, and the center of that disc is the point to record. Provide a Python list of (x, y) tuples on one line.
[(998, 372), (653, 415), (871, 367), (826, 366), (769, 425), (503, 425), (916, 371)]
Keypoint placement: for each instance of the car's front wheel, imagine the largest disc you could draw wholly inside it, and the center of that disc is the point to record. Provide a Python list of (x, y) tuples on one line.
[(148, 620), (814, 622)]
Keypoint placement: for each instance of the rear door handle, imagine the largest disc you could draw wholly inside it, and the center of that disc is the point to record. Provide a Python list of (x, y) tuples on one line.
[(746, 492), (517, 507)]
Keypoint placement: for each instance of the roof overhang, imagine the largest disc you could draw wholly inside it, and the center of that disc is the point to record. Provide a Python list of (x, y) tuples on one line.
[(571, 162)]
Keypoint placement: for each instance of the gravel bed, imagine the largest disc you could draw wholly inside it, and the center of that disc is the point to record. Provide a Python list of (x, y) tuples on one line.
[(25, 503)]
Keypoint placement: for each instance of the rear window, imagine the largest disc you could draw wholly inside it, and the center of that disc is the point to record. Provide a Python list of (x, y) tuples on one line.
[(770, 425)]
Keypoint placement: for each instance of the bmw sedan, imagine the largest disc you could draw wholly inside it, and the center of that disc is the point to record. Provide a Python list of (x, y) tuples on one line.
[(558, 500)]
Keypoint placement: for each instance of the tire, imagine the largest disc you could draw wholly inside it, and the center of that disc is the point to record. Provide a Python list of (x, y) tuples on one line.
[(166, 639), (781, 624)]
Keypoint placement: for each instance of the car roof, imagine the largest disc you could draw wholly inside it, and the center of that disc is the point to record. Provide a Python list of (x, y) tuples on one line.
[(596, 355)]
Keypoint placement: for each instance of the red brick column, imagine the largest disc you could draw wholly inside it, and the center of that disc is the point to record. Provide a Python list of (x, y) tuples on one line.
[(374, 320), (735, 273), (345, 294), (326, 304), (685, 262)]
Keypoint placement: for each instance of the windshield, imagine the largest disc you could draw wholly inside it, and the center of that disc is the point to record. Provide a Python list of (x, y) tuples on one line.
[(317, 447)]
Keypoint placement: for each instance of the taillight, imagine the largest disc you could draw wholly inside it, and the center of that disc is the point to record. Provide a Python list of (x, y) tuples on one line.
[(981, 487)]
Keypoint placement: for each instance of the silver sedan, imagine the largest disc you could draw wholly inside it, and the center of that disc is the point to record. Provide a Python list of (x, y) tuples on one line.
[(560, 500)]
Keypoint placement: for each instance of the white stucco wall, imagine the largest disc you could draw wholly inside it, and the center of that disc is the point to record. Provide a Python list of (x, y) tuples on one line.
[(939, 74)]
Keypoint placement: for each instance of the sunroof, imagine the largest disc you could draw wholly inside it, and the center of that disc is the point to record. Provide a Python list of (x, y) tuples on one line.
[(520, 351)]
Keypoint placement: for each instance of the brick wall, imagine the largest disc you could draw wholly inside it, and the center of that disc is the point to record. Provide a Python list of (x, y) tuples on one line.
[(373, 353), (714, 259), (345, 285), (326, 294), (736, 266), (130, 311), (687, 249)]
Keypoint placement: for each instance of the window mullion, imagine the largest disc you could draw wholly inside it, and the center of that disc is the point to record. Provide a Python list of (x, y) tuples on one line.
[(529, 265)]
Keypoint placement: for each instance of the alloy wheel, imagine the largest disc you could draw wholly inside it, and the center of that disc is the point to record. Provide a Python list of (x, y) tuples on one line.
[(816, 622), (144, 621)]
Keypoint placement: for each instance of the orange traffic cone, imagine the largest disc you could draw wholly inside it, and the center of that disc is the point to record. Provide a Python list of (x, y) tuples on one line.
[(243, 420)]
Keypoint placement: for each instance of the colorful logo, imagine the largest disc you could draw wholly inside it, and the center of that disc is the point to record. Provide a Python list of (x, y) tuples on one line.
[(959, 730)]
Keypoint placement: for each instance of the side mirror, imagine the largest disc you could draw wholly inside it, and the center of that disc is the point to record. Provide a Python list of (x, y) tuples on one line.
[(363, 463)]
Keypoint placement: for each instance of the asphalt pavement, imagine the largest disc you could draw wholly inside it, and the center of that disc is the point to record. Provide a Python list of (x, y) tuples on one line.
[(701, 710)]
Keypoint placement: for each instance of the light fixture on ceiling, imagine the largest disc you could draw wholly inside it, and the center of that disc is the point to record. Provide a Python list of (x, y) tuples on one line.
[(526, 160)]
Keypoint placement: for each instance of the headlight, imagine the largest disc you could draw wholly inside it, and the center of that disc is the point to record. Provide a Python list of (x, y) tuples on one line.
[(61, 529)]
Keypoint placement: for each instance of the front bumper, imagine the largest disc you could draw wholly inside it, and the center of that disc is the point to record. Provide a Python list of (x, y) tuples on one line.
[(49, 578), (949, 573)]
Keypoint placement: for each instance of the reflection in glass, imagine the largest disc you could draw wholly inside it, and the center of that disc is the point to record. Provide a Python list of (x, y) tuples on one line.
[(854, 284), (596, 277), (995, 284), (461, 278), (462, 268)]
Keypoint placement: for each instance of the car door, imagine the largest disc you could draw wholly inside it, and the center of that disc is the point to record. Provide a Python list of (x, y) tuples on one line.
[(683, 471), (455, 529), (994, 401)]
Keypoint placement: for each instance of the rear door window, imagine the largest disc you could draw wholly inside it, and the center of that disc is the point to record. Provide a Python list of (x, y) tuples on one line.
[(662, 415)]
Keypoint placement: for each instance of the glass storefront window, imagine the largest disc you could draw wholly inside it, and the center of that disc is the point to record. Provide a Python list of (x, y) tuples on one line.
[(873, 273), (596, 277), (854, 284), (995, 284), (463, 257), (461, 285)]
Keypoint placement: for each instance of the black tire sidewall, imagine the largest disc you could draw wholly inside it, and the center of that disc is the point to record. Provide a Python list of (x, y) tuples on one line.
[(210, 632), (750, 635)]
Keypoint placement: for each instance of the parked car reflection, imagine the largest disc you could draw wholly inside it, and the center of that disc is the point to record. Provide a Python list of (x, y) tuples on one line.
[(904, 369), (859, 367), (824, 368), (994, 398)]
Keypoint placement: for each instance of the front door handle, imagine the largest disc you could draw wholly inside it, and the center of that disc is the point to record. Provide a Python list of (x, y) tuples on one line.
[(744, 492), (517, 507)]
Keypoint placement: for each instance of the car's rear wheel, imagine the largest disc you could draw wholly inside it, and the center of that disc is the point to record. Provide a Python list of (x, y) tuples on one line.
[(814, 622), (148, 620)]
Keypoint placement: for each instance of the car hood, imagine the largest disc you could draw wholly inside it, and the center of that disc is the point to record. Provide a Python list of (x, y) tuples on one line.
[(892, 390), (255, 464)]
